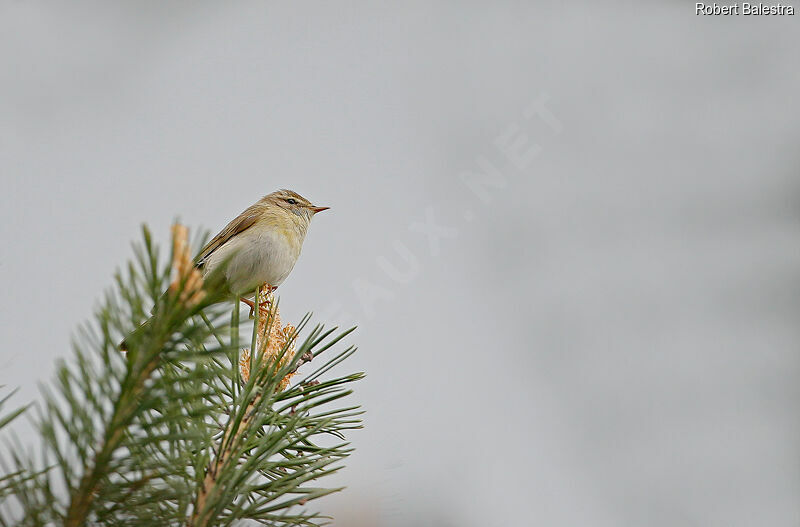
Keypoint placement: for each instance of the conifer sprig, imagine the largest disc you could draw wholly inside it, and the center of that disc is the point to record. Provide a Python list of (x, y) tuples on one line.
[(171, 434)]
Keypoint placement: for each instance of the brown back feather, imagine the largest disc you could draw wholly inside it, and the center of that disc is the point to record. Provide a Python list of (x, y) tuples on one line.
[(241, 223)]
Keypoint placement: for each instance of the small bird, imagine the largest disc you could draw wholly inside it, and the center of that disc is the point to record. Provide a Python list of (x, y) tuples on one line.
[(260, 246)]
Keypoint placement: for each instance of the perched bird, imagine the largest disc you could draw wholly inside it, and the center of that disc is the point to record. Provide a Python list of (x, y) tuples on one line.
[(260, 246)]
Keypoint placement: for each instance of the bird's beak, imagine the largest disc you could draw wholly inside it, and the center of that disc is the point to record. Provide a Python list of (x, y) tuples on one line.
[(319, 209)]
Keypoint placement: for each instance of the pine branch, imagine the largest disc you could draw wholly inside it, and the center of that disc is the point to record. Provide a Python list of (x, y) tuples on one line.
[(265, 374), (184, 299), (187, 429)]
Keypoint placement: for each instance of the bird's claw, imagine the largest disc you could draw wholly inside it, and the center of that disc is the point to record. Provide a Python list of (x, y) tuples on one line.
[(263, 305)]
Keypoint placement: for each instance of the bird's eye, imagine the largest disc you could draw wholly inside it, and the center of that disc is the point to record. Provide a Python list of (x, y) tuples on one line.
[(291, 201)]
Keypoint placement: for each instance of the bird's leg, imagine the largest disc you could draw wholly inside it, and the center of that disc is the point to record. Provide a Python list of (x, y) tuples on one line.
[(268, 289), (249, 303), (265, 302)]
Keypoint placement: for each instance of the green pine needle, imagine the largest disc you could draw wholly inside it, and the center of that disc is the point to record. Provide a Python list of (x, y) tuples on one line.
[(143, 439)]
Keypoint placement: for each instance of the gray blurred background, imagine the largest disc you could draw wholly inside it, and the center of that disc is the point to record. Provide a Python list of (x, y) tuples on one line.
[(569, 234)]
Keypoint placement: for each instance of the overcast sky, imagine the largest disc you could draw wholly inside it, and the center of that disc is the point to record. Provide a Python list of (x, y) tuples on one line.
[(569, 234)]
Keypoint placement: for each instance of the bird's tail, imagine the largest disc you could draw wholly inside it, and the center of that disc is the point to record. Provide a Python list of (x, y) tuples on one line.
[(123, 346)]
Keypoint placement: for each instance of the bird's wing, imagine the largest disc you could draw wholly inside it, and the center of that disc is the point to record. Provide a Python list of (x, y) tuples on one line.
[(241, 223)]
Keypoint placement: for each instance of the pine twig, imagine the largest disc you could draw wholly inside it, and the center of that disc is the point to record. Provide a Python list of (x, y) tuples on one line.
[(275, 347), (187, 289)]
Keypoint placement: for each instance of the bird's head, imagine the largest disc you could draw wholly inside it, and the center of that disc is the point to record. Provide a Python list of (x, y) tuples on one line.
[(293, 204)]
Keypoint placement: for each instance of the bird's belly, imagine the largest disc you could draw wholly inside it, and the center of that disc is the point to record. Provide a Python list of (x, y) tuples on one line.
[(256, 259)]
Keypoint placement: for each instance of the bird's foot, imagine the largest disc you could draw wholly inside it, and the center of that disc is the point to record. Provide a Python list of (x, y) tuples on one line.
[(265, 297), (249, 303), (265, 300)]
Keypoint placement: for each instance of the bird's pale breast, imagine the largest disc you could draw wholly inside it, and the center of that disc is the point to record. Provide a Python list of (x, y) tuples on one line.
[(264, 253)]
